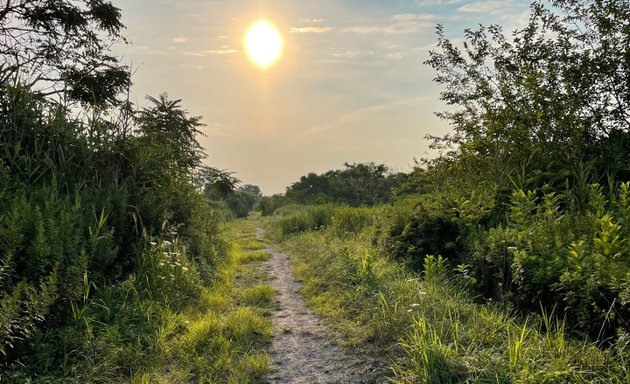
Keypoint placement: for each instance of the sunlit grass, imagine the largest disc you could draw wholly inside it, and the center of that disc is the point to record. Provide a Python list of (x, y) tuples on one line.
[(252, 244), (259, 295), (224, 339), (253, 256)]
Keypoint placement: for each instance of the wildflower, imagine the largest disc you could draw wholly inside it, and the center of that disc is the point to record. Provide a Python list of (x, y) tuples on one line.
[(153, 243)]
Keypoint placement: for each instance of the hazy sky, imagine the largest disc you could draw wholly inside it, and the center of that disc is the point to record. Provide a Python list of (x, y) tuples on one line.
[(350, 86)]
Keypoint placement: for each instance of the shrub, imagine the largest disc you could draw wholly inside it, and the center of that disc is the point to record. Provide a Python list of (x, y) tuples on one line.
[(575, 261)]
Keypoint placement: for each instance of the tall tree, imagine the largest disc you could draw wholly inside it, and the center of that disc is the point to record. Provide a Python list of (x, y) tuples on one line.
[(553, 92), (63, 47)]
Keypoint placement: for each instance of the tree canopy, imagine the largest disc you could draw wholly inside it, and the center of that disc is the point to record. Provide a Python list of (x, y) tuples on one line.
[(62, 46), (356, 184), (550, 94)]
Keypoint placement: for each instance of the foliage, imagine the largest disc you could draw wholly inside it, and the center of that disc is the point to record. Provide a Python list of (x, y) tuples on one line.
[(357, 184), (241, 202), (576, 262), (103, 236), (267, 205), (254, 190), (223, 190), (429, 328), (550, 95), (167, 126), (64, 46), (215, 183)]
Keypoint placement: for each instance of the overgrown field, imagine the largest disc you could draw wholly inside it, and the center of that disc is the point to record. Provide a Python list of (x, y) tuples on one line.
[(429, 312)]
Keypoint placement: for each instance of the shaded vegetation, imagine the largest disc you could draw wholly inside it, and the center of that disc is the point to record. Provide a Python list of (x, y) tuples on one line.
[(356, 184)]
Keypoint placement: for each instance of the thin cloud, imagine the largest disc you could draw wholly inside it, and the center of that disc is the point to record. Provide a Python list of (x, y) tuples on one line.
[(414, 16), (396, 28), (313, 21), (213, 52), (311, 29), (426, 3), (365, 113), (179, 39), (224, 51), (348, 54), (403, 23), (486, 6)]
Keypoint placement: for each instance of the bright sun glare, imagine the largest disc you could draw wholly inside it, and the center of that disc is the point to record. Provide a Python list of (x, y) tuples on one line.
[(264, 43)]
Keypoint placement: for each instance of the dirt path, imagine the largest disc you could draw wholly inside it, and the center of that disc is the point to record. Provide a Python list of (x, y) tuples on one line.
[(301, 352)]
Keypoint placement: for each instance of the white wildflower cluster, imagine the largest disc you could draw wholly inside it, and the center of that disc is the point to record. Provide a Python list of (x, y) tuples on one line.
[(171, 257)]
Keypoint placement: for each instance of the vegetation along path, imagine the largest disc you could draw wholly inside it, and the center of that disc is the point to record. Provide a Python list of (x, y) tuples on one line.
[(302, 351)]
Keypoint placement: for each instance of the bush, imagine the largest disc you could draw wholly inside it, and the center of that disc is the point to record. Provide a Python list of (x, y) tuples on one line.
[(574, 261), (267, 205), (428, 227)]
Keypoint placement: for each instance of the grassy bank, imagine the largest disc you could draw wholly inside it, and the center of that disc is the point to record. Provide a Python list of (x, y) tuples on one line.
[(428, 323), (162, 324)]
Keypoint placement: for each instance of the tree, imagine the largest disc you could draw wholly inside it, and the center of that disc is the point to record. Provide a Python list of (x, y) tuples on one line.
[(216, 183), (168, 127), (312, 188), (557, 92), (253, 189), (356, 184), (63, 47)]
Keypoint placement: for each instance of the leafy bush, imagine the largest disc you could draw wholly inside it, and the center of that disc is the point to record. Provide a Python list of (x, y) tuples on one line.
[(575, 261), (267, 205), (430, 329)]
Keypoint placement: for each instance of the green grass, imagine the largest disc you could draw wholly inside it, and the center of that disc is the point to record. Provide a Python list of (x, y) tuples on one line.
[(228, 342), (223, 338), (249, 256), (432, 330)]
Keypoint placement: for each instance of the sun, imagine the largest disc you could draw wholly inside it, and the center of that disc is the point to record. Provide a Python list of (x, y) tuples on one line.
[(264, 43)]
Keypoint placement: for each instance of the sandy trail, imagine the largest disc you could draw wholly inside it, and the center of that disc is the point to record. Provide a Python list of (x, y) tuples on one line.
[(301, 350)]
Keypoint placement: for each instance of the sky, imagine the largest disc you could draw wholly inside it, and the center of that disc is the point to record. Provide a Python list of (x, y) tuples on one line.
[(350, 86)]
